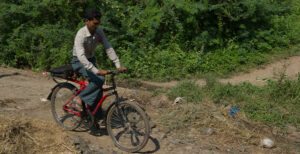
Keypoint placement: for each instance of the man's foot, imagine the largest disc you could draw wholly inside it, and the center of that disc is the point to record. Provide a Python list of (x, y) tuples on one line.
[(77, 103), (95, 130), (102, 124)]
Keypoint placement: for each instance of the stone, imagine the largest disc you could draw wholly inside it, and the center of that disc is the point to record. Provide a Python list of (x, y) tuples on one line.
[(267, 143), (178, 100), (207, 131)]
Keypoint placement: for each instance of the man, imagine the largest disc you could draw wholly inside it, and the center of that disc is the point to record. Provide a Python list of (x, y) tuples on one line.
[(86, 41)]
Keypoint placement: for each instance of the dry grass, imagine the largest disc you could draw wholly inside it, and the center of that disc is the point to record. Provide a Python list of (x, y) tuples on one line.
[(32, 136), (229, 131)]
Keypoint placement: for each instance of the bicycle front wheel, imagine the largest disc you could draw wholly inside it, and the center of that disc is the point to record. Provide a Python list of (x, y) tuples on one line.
[(61, 95), (128, 126)]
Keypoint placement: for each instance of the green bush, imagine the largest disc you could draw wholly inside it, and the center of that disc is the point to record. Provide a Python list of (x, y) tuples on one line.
[(156, 39)]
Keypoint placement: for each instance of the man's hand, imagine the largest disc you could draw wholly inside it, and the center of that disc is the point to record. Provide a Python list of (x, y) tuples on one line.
[(102, 72), (122, 69)]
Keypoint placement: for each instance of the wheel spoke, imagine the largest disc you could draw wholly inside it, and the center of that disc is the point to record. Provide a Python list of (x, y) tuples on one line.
[(132, 139), (61, 96), (127, 126)]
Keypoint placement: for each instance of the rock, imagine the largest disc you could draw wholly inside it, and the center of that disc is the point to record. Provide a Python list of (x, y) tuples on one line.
[(178, 100), (267, 143), (207, 131), (44, 100)]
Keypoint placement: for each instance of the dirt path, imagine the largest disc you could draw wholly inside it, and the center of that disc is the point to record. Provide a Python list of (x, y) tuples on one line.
[(289, 66), (22, 92)]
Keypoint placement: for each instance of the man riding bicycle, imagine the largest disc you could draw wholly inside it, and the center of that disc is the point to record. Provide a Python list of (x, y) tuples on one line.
[(86, 41)]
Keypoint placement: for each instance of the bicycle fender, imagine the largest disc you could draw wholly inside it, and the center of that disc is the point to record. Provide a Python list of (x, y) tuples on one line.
[(58, 85)]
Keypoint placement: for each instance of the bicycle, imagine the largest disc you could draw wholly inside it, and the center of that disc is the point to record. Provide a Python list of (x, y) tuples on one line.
[(122, 119)]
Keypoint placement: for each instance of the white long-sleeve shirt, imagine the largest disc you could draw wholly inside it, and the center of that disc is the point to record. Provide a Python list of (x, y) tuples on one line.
[(85, 45)]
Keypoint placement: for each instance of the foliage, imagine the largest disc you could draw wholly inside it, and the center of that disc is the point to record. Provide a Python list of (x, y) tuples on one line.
[(156, 39)]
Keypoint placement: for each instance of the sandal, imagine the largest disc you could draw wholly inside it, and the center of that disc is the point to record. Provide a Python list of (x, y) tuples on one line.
[(77, 107)]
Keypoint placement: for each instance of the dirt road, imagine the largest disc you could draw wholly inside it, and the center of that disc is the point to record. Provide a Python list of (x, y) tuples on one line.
[(22, 93), (289, 66)]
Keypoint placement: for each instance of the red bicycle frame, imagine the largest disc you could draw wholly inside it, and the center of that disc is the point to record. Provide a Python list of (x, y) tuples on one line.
[(82, 86)]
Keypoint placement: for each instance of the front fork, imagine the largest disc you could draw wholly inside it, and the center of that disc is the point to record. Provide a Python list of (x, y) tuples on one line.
[(119, 110)]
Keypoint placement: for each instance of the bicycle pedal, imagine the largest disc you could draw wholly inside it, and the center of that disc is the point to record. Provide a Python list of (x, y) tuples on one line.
[(101, 124)]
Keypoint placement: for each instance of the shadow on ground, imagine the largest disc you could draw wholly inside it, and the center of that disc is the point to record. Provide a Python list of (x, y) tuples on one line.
[(7, 75)]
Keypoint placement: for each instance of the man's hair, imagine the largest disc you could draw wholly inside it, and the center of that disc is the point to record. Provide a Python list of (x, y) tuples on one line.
[(91, 14)]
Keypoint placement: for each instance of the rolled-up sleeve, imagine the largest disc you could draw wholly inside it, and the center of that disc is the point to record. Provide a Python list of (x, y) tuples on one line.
[(109, 50), (80, 53)]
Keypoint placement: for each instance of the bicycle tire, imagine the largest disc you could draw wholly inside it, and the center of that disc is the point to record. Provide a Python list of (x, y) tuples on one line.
[(128, 125), (61, 94)]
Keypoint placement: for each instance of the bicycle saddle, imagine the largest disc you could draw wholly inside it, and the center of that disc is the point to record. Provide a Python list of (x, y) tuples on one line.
[(64, 72)]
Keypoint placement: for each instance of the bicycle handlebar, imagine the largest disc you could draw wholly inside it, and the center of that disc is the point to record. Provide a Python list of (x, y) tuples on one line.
[(115, 72)]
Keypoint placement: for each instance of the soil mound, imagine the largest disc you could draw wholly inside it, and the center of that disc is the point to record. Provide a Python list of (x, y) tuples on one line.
[(32, 136)]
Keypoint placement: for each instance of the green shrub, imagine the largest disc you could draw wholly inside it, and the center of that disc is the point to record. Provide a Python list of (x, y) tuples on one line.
[(157, 40)]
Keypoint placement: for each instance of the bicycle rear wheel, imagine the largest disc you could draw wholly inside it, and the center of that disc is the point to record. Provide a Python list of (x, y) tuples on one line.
[(60, 96), (128, 126)]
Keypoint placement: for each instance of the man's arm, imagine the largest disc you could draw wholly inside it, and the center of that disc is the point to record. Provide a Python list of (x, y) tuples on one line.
[(109, 49), (80, 53)]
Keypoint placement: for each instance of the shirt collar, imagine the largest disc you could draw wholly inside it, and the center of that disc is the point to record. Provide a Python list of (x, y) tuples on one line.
[(87, 32)]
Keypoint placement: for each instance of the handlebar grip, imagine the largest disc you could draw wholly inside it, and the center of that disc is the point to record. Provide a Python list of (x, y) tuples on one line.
[(121, 71), (115, 72), (110, 72)]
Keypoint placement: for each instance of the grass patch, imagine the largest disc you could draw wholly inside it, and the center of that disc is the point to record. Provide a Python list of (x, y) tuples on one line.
[(276, 104), (156, 92), (189, 90)]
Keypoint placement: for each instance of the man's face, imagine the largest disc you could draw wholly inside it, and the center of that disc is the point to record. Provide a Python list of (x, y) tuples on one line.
[(92, 25)]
